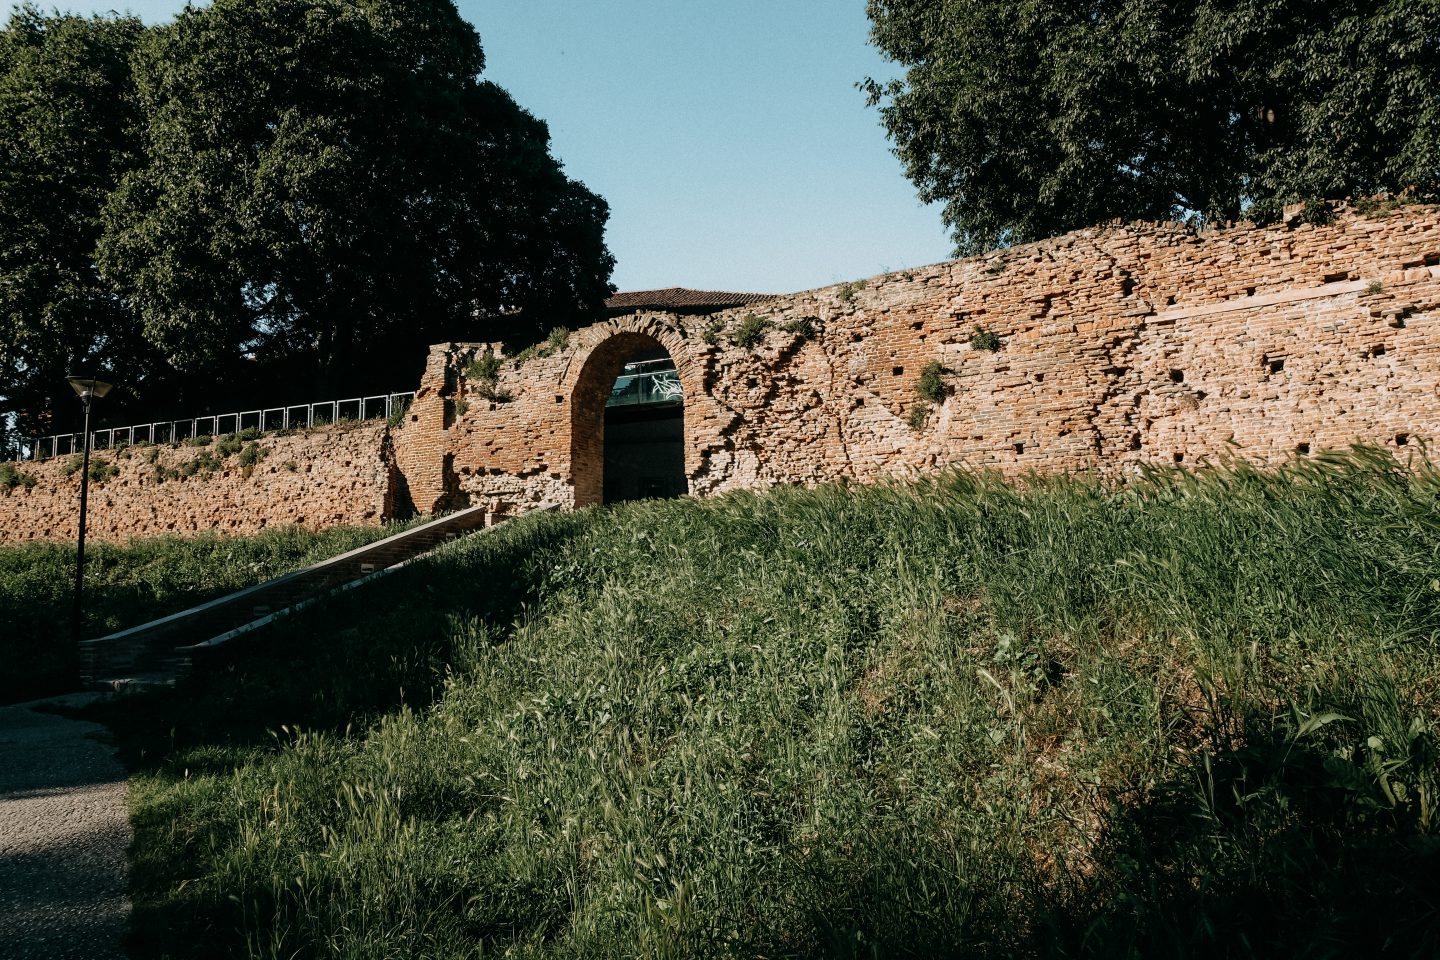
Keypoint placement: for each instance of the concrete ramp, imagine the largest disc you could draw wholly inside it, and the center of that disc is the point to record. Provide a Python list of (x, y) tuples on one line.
[(160, 651)]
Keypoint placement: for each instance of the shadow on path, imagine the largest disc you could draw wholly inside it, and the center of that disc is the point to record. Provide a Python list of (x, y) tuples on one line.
[(63, 836)]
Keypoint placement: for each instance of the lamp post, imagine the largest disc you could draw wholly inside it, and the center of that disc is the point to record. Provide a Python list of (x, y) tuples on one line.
[(87, 389)]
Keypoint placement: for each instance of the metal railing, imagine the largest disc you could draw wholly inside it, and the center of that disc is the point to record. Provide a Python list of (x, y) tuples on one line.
[(654, 382), (293, 417)]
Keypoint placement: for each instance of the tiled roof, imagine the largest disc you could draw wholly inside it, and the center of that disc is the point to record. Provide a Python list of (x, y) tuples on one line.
[(682, 300)]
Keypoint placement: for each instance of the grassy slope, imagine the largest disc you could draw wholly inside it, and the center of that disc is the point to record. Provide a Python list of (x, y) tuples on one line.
[(128, 585), (1192, 717)]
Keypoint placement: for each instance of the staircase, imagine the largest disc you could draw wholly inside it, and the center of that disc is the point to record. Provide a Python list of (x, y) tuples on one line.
[(157, 653)]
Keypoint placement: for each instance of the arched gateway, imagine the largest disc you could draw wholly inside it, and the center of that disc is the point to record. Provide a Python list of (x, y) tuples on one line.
[(628, 416)]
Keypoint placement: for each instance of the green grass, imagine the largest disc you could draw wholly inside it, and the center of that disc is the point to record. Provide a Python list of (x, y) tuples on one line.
[(1193, 716), (129, 585)]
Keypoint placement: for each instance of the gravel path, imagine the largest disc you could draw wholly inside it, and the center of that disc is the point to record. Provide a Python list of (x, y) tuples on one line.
[(63, 836)]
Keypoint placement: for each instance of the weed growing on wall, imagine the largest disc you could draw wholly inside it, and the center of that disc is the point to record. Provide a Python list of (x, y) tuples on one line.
[(985, 339), (100, 469), (847, 291), (918, 416), (1381, 205), (932, 384), (556, 341), (712, 332), (802, 327), (12, 477), (751, 331), (250, 457), (203, 464), (484, 367), (483, 375)]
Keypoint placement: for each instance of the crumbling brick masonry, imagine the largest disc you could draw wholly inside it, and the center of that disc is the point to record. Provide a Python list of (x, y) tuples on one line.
[(1101, 350)]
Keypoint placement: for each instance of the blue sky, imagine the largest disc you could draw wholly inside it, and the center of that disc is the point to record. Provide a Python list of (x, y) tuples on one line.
[(728, 136)]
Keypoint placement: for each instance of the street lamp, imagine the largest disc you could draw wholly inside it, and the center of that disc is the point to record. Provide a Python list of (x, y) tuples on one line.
[(87, 389)]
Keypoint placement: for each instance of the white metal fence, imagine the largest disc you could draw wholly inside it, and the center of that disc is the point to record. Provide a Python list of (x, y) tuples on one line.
[(174, 431)]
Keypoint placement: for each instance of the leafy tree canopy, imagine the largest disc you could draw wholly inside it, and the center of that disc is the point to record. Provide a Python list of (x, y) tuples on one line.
[(66, 138), (301, 193), (1027, 119), (329, 178)]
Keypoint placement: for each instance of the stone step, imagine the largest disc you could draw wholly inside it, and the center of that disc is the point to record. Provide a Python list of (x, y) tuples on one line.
[(156, 649)]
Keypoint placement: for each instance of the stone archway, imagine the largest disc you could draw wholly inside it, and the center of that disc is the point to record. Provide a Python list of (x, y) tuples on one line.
[(599, 363)]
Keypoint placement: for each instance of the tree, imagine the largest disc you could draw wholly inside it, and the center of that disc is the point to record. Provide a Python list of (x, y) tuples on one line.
[(1028, 119), (66, 138), (328, 184)]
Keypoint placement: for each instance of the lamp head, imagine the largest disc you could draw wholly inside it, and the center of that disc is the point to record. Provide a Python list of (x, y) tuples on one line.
[(87, 387)]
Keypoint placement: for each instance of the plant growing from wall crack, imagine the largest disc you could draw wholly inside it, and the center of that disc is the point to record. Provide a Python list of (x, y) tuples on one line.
[(10, 477), (932, 385), (985, 339), (556, 341), (751, 331), (484, 376), (802, 327)]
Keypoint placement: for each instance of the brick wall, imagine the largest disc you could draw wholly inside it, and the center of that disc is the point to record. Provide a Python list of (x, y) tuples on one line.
[(318, 479), (1121, 346), (1129, 345)]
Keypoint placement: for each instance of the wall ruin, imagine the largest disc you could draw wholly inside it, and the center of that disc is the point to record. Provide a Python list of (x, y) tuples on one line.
[(1117, 347), (320, 478), (1121, 346)]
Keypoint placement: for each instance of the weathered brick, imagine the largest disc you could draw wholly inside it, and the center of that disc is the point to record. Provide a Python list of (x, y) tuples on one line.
[(1121, 346)]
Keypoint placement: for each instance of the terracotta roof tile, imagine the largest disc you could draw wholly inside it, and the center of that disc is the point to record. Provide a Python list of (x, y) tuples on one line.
[(681, 299)]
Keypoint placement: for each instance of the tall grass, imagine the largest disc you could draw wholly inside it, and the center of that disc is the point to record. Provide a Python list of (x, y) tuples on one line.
[(128, 585), (1189, 716)]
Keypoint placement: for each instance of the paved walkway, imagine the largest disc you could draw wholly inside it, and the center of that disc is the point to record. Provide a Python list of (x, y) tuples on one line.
[(63, 836)]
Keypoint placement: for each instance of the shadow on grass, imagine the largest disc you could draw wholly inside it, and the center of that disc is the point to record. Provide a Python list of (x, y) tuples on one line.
[(341, 663), (1270, 849), (1275, 835), (1275, 846)]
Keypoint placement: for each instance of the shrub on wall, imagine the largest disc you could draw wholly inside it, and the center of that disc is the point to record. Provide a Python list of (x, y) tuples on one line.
[(847, 291), (557, 340), (100, 470), (931, 387), (751, 331), (802, 327), (11, 477), (205, 463), (985, 339), (484, 376), (252, 454)]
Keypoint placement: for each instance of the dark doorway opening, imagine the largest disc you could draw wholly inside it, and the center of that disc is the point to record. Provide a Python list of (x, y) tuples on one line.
[(645, 431)]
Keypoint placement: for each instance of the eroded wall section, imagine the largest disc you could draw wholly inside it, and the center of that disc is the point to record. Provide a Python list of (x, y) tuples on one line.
[(321, 478), (1116, 347)]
